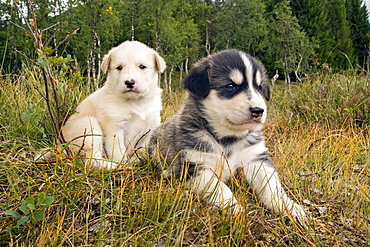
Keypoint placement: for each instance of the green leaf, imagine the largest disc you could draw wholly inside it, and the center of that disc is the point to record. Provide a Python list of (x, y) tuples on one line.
[(31, 206), (48, 49), (13, 213), (23, 207), (349, 110), (22, 220), (48, 201), (26, 115), (42, 62), (9, 229), (39, 215), (30, 200), (31, 107), (41, 197)]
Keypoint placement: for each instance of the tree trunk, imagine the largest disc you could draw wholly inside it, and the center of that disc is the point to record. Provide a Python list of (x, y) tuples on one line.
[(165, 81), (208, 42), (133, 20), (98, 58), (208, 28), (170, 80), (298, 67), (181, 71), (89, 68), (285, 65), (15, 33), (93, 64), (186, 66)]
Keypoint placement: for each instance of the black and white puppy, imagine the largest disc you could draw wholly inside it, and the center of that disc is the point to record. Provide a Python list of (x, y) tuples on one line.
[(216, 134)]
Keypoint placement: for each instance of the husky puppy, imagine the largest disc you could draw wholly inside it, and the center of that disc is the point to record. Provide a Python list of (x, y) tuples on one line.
[(216, 134), (111, 122)]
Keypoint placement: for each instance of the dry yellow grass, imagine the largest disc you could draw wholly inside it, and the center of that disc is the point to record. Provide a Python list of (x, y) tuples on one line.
[(324, 163)]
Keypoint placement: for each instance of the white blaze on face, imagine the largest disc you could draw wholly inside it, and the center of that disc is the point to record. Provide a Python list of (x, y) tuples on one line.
[(258, 78), (256, 99), (236, 76), (248, 70)]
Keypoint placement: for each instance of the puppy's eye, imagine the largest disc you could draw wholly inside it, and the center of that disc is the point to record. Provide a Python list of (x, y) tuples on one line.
[(119, 68), (142, 66), (231, 86)]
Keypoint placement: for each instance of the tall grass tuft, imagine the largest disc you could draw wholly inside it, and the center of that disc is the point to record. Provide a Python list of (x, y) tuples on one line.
[(333, 99), (318, 135)]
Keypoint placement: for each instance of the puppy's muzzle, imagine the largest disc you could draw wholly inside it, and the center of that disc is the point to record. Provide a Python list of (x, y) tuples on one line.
[(257, 112), (130, 83)]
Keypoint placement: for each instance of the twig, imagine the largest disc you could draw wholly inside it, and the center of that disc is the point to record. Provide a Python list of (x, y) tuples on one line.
[(141, 138), (51, 38), (314, 173), (47, 131), (38, 90), (49, 161), (56, 101), (64, 40), (7, 225), (15, 24), (24, 55), (47, 99), (33, 27), (43, 30)]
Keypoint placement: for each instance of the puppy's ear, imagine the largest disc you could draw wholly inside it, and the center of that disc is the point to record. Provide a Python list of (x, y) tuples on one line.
[(266, 92), (105, 63), (265, 86), (197, 81), (160, 63)]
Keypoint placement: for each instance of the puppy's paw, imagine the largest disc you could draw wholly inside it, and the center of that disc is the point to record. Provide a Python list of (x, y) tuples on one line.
[(232, 206), (108, 164), (236, 209), (101, 164), (298, 213)]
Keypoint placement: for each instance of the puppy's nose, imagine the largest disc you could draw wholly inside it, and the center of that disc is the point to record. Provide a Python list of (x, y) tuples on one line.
[(256, 112), (130, 84)]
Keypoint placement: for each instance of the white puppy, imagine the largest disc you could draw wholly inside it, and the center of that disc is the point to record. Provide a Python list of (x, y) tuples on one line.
[(113, 121)]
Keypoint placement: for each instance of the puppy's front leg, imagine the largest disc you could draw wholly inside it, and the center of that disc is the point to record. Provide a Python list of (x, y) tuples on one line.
[(262, 176), (214, 191), (115, 146)]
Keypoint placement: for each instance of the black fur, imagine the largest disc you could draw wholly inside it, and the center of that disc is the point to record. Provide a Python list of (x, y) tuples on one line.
[(197, 81), (212, 71), (216, 135)]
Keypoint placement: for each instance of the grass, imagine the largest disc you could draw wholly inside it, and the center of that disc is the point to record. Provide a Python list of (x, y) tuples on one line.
[(318, 135)]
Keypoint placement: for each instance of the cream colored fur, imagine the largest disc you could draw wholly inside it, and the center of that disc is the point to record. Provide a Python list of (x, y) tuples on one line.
[(110, 124)]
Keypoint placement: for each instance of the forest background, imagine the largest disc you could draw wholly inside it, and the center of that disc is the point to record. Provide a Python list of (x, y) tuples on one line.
[(294, 37), (317, 131)]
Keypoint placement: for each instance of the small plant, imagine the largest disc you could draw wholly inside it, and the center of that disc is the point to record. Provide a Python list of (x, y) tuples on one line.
[(43, 62), (30, 208)]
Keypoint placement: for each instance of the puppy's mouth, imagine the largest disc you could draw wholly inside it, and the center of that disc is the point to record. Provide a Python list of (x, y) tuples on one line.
[(244, 121), (249, 121), (240, 120), (131, 90)]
